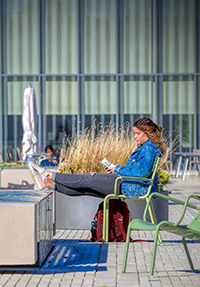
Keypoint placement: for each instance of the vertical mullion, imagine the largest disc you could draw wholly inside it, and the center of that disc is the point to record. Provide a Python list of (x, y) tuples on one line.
[(180, 79), (152, 54), (15, 121), (42, 107), (120, 60), (195, 75), (4, 79), (42, 69), (5, 104), (54, 117), (4, 36), (80, 68), (1, 113), (159, 62), (102, 100), (117, 61), (160, 95), (1, 90), (170, 116), (156, 59)]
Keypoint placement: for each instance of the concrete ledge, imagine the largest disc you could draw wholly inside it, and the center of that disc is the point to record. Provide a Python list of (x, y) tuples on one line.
[(18, 233), (17, 178), (26, 228)]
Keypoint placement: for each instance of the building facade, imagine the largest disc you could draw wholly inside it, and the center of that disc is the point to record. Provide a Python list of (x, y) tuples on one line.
[(104, 60)]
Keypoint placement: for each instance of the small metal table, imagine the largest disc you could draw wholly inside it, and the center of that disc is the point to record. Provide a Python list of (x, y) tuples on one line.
[(185, 155)]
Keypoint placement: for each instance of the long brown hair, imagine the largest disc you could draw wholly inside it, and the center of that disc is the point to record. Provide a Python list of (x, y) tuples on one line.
[(152, 130)]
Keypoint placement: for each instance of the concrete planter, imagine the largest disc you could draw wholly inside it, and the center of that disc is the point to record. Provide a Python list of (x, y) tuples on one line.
[(160, 205), (78, 212)]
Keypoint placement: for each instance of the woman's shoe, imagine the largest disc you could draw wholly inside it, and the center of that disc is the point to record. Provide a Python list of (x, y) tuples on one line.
[(38, 174)]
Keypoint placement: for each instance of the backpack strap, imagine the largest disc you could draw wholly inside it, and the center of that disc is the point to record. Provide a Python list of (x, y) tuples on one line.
[(112, 208), (120, 215), (99, 218)]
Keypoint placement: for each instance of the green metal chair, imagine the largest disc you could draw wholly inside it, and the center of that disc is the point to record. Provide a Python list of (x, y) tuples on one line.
[(191, 231), (123, 197), (39, 159)]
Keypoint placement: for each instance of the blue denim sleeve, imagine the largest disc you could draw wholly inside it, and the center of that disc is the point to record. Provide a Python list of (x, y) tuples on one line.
[(140, 167)]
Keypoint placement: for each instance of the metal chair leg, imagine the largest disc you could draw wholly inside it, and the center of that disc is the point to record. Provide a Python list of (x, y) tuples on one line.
[(188, 254), (126, 248)]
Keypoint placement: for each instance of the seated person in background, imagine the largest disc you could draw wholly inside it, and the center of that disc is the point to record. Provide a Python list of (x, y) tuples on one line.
[(51, 159), (140, 163)]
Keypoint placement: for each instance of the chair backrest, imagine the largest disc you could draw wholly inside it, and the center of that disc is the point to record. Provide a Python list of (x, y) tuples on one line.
[(196, 151), (19, 154), (1, 158), (9, 155), (155, 168), (1, 167), (41, 158), (154, 171), (192, 231), (195, 224)]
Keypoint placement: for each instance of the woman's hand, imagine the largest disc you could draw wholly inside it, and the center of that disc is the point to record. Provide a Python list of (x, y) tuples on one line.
[(109, 169)]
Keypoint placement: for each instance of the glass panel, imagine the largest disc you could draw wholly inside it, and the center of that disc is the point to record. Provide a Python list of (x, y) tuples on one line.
[(178, 35), (137, 95), (100, 95), (15, 94), (178, 108), (100, 36), (22, 37), (137, 36), (61, 96), (61, 108), (61, 37)]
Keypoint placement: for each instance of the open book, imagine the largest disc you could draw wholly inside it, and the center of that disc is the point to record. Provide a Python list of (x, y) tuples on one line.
[(107, 163)]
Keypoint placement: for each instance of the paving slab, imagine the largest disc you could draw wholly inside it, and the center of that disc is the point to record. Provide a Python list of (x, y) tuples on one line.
[(100, 265)]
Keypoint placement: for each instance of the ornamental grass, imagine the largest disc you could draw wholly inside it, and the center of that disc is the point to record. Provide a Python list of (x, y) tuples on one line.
[(84, 153)]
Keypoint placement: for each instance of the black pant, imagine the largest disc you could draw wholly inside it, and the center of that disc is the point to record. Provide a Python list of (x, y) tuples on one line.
[(97, 184)]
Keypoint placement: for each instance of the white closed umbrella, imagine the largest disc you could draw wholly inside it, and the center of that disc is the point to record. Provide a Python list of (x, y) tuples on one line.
[(29, 122)]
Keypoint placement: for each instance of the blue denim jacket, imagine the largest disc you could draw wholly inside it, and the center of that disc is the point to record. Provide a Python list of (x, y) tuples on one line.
[(139, 164)]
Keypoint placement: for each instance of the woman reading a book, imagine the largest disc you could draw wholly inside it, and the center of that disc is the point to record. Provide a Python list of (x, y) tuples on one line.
[(139, 164)]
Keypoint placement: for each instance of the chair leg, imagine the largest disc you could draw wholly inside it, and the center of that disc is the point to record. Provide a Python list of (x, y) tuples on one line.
[(126, 248), (153, 219), (104, 220), (106, 216), (190, 168), (188, 254), (154, 252)]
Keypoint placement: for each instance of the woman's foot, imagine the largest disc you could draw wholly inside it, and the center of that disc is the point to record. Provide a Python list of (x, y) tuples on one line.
[(39, 175), (48, 179)]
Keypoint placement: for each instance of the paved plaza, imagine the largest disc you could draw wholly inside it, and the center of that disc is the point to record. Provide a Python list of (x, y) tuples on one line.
[(100, 265)]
